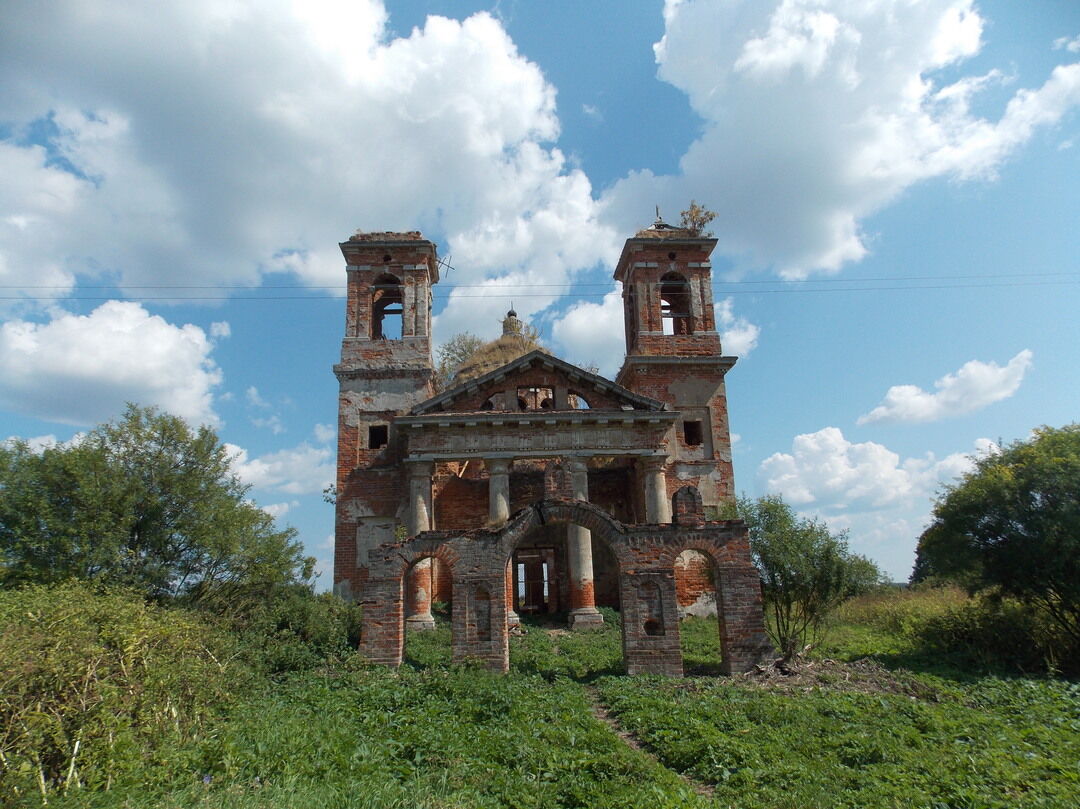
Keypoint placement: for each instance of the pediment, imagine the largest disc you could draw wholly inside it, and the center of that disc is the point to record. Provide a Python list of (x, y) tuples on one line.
[(544, 375)]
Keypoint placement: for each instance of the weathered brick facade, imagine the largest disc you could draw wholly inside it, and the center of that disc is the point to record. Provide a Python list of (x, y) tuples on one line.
[(539, 486)]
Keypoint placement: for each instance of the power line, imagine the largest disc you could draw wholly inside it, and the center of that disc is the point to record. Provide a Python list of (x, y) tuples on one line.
[(575, 284), (508, 292)]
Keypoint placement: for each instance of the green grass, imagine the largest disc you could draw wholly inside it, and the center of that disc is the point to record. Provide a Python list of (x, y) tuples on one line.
[(444, 737), (433, 735), (994, 744)]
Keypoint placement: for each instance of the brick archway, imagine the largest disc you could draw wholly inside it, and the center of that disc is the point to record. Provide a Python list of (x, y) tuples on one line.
[(645, 556)]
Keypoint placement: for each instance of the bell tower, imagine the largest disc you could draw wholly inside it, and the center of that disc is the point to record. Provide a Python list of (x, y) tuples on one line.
[(673, 352), (385, 370)]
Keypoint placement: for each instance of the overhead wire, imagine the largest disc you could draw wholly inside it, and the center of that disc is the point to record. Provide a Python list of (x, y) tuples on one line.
[(576, 289)]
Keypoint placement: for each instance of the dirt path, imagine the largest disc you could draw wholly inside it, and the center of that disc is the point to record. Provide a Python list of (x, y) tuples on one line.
[(601, 712)]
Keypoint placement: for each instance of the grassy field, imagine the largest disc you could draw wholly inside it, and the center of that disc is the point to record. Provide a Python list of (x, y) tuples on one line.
[(567, 729)]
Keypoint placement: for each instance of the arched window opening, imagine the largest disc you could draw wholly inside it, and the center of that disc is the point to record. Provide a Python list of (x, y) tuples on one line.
[(675, 304), (577, 401), (534, 398), (386, 308)]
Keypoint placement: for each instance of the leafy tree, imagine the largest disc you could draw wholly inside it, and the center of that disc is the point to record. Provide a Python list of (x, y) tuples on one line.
[(806, 570), (1012, 526), (696, 218), (453, 354), (465, 355), (144, 502)]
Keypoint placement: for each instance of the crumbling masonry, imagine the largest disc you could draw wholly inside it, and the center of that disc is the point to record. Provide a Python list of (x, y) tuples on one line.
[(537, 486)]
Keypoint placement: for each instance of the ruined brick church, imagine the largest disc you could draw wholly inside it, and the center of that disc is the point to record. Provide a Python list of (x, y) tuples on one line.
[(531, 485)]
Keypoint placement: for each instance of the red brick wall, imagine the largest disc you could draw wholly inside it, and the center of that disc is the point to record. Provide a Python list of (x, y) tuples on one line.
[(693, 577)]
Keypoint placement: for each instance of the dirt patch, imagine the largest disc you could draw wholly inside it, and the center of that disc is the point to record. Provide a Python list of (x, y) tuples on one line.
[(864, 675)]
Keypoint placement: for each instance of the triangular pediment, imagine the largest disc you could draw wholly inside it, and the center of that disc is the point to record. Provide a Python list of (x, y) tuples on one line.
[(538, 370)]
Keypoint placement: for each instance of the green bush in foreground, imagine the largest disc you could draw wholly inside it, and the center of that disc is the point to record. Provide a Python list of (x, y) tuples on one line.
[(96, 685)]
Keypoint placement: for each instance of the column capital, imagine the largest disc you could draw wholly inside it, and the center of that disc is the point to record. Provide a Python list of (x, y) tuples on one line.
[(652, 463), (498, 466), (419, 468), (577, 463)]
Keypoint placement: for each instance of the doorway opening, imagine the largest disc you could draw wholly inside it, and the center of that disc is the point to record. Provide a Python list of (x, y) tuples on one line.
[(700, 613)]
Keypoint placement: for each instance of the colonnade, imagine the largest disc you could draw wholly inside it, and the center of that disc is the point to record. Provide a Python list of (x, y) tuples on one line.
[(583, 611)]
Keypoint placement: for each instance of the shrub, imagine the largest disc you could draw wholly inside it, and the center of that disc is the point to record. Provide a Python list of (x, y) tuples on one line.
[(806, 571), (296, 630), (96, 683), (991, 634)]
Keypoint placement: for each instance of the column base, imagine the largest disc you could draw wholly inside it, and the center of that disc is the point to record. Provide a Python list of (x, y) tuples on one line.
[(512, 618), (420, 623), (586, 618)]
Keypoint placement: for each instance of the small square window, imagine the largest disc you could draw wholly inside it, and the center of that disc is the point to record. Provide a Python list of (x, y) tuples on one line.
[(692, 433), (378, 435)]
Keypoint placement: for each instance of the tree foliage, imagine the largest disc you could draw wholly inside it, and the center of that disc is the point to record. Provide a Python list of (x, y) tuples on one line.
[(1012, 525), (806, 570), (145, 502), (452, 355), (696, 218), (465, 356)]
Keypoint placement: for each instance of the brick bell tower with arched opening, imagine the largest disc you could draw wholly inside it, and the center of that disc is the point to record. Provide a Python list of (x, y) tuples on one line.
[(385, 370), (673, 354)]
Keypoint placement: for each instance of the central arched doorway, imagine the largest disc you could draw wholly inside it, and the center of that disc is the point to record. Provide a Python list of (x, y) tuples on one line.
[(544, 599)]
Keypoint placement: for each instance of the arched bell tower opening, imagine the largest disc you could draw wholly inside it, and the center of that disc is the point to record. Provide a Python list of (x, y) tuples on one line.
[(673, 354), (385, 370), (387, 311), (675, 307)]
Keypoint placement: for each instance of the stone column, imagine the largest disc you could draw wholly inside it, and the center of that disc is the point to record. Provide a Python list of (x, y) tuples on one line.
[(418, 598), (498, 490), (419, 516), (583, 612), (657, 504)]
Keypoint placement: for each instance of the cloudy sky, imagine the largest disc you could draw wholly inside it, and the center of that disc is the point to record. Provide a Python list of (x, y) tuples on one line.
[(896, 182)]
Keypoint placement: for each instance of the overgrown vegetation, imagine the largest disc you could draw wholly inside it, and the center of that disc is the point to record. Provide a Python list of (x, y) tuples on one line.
[(1010, 528), (97, 686), (696, 218), (146, 503), (806, 571), (182, 712), (182, 670)]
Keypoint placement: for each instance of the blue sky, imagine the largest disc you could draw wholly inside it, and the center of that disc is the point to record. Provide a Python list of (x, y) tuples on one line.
[(897, 186)]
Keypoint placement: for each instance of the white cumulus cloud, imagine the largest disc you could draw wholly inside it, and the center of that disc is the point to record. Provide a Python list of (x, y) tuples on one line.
[(302, 469), (592, 333), (738, 336), (817, 113), (881, 499), (828, 472), (178, 137), (1065, 43), (279, 510), (82, 369), (976, 385)]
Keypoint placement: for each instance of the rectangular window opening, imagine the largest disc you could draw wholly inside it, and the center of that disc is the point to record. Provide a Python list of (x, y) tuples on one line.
[(692, 433), (378, 436)]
